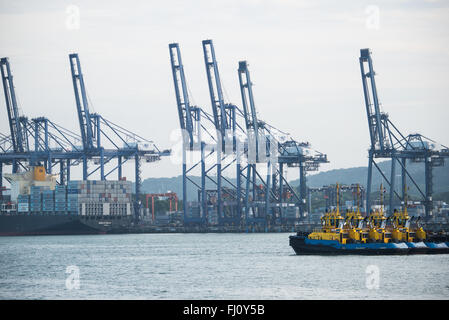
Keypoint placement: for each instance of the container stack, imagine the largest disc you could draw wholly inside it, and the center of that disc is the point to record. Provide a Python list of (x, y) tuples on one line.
[(162, 218), (120, 209), (23, 203), (177, 217), (60, 199), (35, 199), (48, 202), (92, 208), (212, 216), (194, 212), (290, 212), (94, 197), (80, 197), (73, 190)]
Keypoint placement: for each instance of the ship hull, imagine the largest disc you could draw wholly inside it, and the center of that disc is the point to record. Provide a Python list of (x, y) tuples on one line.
[(303, 246), (45, 224)]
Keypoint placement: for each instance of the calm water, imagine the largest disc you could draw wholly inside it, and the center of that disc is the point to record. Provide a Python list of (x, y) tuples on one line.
[(207, 266)]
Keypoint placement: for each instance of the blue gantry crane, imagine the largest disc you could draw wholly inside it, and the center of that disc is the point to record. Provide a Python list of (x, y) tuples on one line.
[(241, 141), (16, 122), (42, 141), (95, 128), (191, 128), (259, 151), (32, 142), (268, 145), (203, 132), (387, 142), (22, 130), (226, 126), (82, 105)]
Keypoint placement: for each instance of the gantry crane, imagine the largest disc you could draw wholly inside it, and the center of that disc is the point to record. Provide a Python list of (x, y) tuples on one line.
[(226, 126), (388, 142), (30, 140), (191, 128), (93, 130), (16, 122), (275, 154), (243, 146), (54, 144), (172, 197), (261, 147)]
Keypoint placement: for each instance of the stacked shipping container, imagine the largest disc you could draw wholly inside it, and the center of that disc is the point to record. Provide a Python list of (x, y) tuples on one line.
[(72, 197), (80, 197), (36, 198), (48, 202), (61, 199), (212, 215), (23, 203), (290, 212), (102, 197)]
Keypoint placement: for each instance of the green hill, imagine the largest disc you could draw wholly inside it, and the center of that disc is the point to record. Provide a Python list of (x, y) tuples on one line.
[(343, 176), (360, 174)]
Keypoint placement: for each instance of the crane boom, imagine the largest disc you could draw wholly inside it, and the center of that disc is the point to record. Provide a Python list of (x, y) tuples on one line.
[(182, 96), (249, 107), (215, 89), (376, 129), (15, 127), (81, 102), (246, 90)]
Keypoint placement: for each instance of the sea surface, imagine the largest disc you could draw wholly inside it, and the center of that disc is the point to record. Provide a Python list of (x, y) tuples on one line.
[(206, 266)]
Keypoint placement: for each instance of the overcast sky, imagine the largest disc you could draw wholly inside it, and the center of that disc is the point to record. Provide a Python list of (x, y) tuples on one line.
[(303, 58)]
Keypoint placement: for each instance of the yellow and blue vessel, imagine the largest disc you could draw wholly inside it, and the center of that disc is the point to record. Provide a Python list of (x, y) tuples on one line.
[(375, 234)]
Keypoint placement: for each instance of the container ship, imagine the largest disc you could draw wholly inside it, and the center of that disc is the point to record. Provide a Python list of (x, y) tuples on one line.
[(372, 235), (39, 206)]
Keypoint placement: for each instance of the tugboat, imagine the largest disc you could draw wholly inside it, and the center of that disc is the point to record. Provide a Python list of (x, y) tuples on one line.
[(377, 223), (354, 223), (348, 235)]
